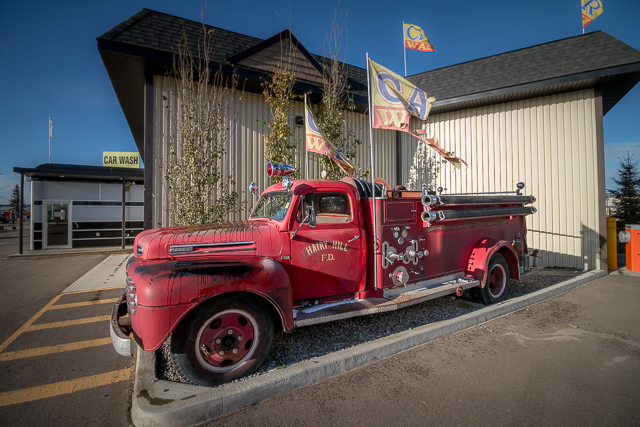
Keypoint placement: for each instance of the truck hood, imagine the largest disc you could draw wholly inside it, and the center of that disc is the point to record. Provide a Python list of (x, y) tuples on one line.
[(258, 238)]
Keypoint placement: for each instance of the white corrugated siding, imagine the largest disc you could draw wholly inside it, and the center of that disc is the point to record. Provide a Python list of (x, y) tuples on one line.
[(244, 158), (549, 143)]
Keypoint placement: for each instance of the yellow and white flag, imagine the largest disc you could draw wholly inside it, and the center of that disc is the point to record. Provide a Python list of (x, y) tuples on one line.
[(396, 100), (415, 38), (317, 143), (591, 9)]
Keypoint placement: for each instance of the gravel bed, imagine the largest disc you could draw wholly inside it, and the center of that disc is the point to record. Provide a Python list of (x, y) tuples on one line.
[(317, 340)]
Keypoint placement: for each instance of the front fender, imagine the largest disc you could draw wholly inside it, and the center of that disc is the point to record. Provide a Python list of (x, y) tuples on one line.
[(168, 290), (481, 254)]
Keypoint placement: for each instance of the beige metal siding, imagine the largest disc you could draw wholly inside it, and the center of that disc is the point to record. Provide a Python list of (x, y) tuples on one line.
[(547, 142), (244, 158)]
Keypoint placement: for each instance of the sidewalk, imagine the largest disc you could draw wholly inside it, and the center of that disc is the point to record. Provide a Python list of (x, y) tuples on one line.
[(110, 273)]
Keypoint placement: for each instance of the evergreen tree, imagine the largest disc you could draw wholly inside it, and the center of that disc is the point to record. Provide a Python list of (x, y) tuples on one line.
[(15, 200), (627, 193)]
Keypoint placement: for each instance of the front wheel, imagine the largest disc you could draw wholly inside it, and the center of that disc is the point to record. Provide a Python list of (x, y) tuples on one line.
[(222, 340), (495, 288)]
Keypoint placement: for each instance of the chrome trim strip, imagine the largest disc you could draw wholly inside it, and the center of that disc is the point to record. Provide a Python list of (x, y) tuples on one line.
[(215, 252), (175, 249)]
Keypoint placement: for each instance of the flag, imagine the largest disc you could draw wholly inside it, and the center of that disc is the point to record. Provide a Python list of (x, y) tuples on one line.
[(433, 143), (415, 38), (591, 9), (396, 100), (317, 143)]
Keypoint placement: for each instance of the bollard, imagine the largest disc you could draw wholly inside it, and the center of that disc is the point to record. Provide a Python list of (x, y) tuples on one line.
[(612, 247)]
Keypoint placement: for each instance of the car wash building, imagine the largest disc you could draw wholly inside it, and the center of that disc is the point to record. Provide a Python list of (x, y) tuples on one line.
[(533, 115), (77, 206)]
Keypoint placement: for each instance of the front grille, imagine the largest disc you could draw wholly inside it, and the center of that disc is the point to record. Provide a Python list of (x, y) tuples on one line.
[(132, 296)]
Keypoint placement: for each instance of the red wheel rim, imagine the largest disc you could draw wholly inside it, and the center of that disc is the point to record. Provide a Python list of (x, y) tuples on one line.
[(497, 281), (227, 340)]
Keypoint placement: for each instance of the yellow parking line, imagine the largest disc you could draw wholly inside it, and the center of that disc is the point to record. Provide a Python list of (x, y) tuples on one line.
[(41, 351), (94, 290), (82, 304), (24, 327), (52, 325), (63, 387)]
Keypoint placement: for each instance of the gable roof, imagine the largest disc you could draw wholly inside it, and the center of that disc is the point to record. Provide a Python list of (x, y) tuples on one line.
[(590, 60), (281, 47), (142, 46), (161, 32)]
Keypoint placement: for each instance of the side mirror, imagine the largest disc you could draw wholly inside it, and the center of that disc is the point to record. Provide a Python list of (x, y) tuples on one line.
[(311, 215), (309, 218)]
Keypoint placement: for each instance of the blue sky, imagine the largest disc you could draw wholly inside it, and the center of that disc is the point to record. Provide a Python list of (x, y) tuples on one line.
[(51, 66)]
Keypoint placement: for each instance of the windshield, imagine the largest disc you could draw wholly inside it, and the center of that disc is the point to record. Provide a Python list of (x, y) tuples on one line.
[(273, 205)]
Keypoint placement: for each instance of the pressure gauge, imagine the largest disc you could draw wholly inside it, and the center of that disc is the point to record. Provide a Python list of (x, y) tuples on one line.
[(405, 233), (396, 234), (400, 240)]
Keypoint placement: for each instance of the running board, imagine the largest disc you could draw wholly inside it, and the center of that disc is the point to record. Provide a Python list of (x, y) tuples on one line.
[(416, 294)]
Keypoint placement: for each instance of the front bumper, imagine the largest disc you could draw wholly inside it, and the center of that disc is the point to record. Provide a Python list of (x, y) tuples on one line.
[(120, 328)]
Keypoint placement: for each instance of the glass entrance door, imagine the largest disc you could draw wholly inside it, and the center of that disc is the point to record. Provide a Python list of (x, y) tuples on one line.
[(57, 225)]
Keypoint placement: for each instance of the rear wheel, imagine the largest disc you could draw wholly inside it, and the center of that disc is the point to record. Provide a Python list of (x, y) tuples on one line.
[(495, 288), (222, 340)]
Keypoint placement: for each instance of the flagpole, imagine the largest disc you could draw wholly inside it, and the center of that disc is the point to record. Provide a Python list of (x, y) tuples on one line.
[(305, 139), (49, 139), (404, 48), (373, 175)]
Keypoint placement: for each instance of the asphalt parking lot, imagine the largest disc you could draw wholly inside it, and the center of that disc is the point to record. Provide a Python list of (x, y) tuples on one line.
[(56, 360)]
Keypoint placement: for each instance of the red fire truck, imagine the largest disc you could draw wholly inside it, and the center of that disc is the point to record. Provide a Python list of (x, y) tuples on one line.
[(307, 255)]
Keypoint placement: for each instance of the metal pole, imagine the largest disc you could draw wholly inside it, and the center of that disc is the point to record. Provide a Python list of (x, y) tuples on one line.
[(404, 48), (50, 131), (123, 210), (373, 185), (21, 211), (305, 138)]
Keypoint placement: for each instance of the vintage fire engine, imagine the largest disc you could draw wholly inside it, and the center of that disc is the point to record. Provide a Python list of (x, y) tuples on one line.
[(307, 255)]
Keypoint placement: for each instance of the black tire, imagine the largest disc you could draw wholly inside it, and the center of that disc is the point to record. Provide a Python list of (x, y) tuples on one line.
[(222, 340), (497, 283)]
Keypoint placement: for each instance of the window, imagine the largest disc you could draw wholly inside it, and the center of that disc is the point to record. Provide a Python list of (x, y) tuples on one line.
[(329, 207), (273, 205)]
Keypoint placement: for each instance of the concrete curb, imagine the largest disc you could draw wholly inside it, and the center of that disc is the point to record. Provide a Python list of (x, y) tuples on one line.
[(164, 403), (48, 254)]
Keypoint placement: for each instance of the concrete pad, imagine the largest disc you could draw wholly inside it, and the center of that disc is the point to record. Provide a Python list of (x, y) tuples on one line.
[(624, 272), (164, 403), (110, 273)]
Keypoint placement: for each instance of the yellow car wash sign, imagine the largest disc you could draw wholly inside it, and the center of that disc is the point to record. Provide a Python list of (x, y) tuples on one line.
[(121, 159)]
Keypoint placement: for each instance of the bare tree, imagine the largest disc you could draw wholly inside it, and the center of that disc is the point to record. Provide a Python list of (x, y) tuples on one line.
[(199, 191), (278, 92), (336, 102)]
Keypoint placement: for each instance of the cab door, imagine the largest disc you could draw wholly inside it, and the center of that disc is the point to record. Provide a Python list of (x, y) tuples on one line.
[(328, 259)]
